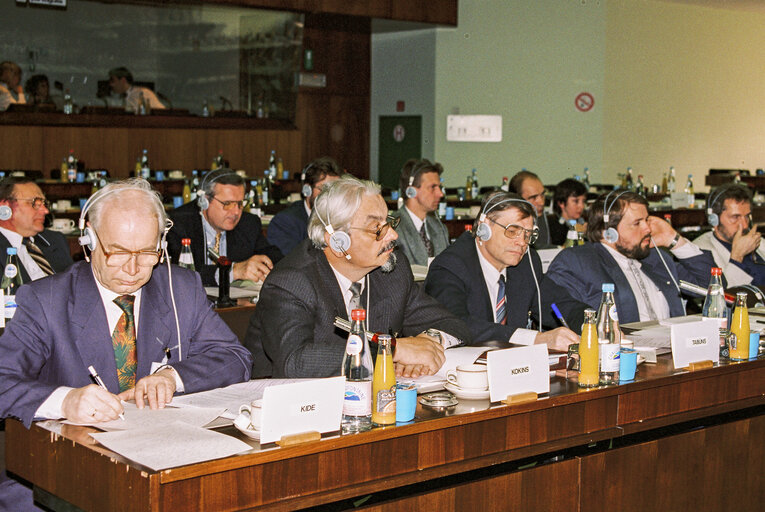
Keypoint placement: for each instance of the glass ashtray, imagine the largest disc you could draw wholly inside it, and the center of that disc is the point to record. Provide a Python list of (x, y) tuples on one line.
[(438, 399)]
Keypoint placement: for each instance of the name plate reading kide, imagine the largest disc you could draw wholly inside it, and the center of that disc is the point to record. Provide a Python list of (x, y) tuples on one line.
[(518, 370), (301, 407), (695, 341)]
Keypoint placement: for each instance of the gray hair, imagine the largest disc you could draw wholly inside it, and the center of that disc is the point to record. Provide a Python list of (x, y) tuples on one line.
[(336, 205), (222, 176), (115, 192)]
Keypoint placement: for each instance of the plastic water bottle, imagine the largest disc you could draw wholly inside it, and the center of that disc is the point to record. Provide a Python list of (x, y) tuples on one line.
[(715, 308), (186, 259), (609, 336), (357, 370)]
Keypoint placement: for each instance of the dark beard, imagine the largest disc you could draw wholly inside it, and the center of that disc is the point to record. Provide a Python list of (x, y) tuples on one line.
[(638, 252)]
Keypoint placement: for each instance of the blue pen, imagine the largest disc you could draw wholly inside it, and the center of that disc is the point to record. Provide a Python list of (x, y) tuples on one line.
[(559, 316)]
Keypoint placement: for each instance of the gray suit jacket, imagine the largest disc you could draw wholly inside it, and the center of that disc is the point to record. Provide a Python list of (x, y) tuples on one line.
[(292, 334), (409, 238)]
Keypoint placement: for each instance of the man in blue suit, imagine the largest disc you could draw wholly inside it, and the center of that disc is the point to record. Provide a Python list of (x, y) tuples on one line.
[(79, 318), (628, 250), (289, 227)]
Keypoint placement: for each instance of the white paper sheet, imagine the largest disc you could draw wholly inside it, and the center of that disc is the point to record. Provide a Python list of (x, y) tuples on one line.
[(171, 445), (136, 418), (230, 397), (454, 357)]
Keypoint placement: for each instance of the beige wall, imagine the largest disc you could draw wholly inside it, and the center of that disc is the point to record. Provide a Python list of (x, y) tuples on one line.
[(684, 86)]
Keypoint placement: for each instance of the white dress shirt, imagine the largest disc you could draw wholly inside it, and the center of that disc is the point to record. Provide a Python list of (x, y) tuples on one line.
[(418, 222), (491, 276), (31, 266)]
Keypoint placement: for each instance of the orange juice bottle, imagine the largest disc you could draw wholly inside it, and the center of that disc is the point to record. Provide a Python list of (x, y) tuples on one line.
[(384, 384), (589, 351), (739, 348)]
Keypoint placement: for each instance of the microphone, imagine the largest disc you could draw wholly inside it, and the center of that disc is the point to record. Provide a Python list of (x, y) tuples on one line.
[(165, 99), (225, 101)]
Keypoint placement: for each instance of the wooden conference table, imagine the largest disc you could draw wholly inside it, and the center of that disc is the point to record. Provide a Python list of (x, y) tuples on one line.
[(667, 441)]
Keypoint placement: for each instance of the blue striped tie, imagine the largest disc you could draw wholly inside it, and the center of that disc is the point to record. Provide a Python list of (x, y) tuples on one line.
[(501, 313)]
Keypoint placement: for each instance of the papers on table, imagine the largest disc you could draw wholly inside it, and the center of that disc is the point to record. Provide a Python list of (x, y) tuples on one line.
[(171, 445), (235, 292), (454, 357), (136, 418)]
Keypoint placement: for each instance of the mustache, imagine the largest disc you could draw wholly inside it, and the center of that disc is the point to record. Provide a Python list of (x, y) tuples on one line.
[(390, 245)]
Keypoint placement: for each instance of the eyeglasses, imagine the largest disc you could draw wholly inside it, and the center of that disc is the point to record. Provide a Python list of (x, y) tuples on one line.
[(514, 231), (36, 202), (121, 258), (228, 205), (380, 232)]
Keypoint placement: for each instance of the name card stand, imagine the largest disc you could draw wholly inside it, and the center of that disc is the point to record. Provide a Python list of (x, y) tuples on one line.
[(296, 439), (521, 398), (700, 365)]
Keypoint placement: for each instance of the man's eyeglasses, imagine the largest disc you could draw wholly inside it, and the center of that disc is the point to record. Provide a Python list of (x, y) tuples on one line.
[(514, 231), (36, 202), (382, 230), (121, 258), (228, 205)]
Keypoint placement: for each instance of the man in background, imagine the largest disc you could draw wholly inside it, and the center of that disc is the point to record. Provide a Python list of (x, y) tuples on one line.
[(528, 185), (10, 85), (736, 247), (121, 82), (289, 227), (217, 223), (23, 207), (348, 263), (421, 235)]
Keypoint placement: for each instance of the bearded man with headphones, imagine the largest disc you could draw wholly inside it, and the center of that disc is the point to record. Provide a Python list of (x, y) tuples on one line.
[(289, 227), (642, 255), (489, 279), (421, 235), (348, 262), (217, 221), (737, 247), (23, 208), (146, 329)]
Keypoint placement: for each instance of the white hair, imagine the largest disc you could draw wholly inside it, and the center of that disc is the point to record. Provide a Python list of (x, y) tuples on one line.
[(114, 193), (336, 205)]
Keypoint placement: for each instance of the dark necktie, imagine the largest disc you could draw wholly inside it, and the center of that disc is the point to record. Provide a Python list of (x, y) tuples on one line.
[(38, 256), (123, 341), (355, 302), (426, 241), (501, 313)]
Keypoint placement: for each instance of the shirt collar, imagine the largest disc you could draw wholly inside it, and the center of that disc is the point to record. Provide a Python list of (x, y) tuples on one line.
[(14, 238), (107, 295), (490, 272), (418, 222), (307, 208)]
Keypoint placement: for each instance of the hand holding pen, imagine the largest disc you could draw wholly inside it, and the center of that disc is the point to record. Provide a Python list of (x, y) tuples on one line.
[(101, 385)]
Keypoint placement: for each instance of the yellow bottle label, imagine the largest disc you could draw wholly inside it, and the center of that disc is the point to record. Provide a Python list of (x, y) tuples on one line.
[(384, 391)]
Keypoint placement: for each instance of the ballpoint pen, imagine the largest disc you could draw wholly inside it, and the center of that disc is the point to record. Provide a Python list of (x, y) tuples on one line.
[(100, 384), (559, 316)]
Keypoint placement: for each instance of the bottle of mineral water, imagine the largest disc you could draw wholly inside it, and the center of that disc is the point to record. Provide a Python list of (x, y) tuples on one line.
[(186, 260), (609, 336), (357, 370), (715, 307)]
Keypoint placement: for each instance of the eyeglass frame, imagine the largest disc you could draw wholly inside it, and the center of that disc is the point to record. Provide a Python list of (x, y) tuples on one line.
[(382, 230), (137, 254), (529, 234), (229, 205), (39, 200)]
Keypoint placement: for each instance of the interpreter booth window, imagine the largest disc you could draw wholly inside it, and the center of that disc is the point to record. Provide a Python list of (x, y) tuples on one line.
[(196, 59)]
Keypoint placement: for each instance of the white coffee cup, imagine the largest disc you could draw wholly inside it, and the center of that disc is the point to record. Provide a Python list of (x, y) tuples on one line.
[(64, 225), (469, 376), (249, 416), (62, 205)]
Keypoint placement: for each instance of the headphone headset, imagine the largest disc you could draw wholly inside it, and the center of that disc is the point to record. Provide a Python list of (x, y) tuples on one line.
[(305, 189), (483, 232), (411, 191), (5, 212), (610, 234), (339, 241), (712, 218), (202, 200)]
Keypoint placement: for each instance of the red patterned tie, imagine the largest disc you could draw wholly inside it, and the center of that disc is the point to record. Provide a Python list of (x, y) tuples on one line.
[(123, 341)]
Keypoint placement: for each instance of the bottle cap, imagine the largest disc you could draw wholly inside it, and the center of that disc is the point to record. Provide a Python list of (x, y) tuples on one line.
[(186, 241), (716, 271), (11, 250), (359, 314), (608, 287)]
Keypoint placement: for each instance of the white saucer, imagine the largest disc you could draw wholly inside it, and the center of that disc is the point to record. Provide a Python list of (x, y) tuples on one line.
[(249, 432), (467, 394)]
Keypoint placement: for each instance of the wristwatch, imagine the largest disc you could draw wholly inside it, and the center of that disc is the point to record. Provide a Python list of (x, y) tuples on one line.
[(435, 333), (674, 241)]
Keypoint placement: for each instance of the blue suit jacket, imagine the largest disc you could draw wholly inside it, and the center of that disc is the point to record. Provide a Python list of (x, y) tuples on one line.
[(60, 328), (289, 227), (582, 270)]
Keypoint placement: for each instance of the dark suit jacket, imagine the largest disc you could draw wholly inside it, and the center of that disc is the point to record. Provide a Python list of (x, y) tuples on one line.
[(455, 279), (582, 270), (60, 328), (292, 334), (289, 227), (53, 246), (242, 242)]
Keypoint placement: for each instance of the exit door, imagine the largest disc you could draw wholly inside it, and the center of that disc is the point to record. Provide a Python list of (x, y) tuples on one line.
[(400, 140)]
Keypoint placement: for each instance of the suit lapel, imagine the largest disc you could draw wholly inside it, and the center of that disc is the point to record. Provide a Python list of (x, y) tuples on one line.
[(328, 281), (474, 266), (412, 237), (156, 326), (90, 329)]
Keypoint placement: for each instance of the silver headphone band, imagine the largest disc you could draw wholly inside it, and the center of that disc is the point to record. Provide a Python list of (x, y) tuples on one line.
[(488, 209)]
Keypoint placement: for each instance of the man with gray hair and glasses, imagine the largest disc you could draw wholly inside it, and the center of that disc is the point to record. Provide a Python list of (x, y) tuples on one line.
[(348, 262), (147, 330)]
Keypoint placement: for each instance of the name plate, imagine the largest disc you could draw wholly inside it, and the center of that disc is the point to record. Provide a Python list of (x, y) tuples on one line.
[(695, 341), (301, 407), (518, 370)]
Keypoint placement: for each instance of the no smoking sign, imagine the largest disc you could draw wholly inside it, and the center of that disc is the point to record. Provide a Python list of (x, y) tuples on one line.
[(584, 102)]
